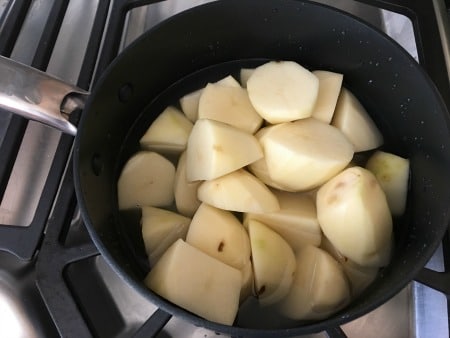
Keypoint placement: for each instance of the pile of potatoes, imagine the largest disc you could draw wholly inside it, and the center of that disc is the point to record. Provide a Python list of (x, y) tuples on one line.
[(263, 199)]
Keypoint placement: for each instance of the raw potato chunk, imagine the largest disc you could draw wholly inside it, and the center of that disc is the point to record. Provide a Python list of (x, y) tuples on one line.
[(219, 234), (189, 105), (353, 120), (304, 154), (160, 229), (244, 75), (359, 277), (229, 81), (247, 281), (238, 191), (215, 149), (296, 221), (185, 192), (197, 282), (273, 263), (392, 172), (330, 84), (319, 287), (168, 133), (146, 180), (283, 91), (230, 105), (353, 213)]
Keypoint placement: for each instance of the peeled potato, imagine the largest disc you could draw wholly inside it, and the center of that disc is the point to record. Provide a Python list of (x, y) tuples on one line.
[(146, 180), (296, 221), (353, 213), (392, 172), (160, 229), (215, 149), (230, 105), (304, 154), (247, 281), (283, 91), (189, 104), (238, 191), (185, 192), (330, 84), (319, 287), (219, 234), (273, 263), (197, 282), (229, 81), (353, 120), (168, 133), (244, 75), (359, 277)]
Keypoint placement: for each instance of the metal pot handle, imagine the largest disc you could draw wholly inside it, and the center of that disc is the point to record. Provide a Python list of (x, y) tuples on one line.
[(38, 96)]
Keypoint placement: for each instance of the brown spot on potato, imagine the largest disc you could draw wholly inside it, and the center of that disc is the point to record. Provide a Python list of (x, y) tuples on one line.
[(220, 247), (333, 198), (261, 290)]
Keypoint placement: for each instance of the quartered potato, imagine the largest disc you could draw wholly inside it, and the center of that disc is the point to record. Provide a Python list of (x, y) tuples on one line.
[(353, 212), (319, 289), (283, 91), (296, 221), (353, 120), (219, 234), (146, 180), (238, 191), (330, 84), (168, 133), (304, 154), (230, 105), (197, 282), (160, 229), (273, 263), (216, 148), (392, 172)]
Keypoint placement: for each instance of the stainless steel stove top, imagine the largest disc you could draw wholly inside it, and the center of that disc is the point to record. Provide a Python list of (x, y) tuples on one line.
[(417, 311)]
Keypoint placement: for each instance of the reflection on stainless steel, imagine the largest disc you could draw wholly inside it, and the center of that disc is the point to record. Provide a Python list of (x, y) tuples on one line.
[(37, 96), (416, 312)]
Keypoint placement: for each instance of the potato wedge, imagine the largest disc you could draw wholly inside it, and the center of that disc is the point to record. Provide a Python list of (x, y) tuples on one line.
[(197, 282), (168, 133), (189, 104), (238, 191), (304, 154), (146, 180), (330, 84), (392, 172), (230, 105), (273, 263), (296, 221), (185, 192), (353, 120), (219, 234), (160, 229), (283, 91), (216, 148), (353, 213), (319, 287)]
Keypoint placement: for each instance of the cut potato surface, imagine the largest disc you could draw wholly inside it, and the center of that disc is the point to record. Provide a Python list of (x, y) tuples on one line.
[(230, 105), (273, 263), (185, 192), (219, 234), (216, 148), (330, 84), (238, 191), (353, 213), (244, 75), (189, 104), (283, 91), (296, 221), (304, 154), (319, 287), (353, 120), (146, 180), (168, 133), (160, 229), (197, 282), (392, 172)]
